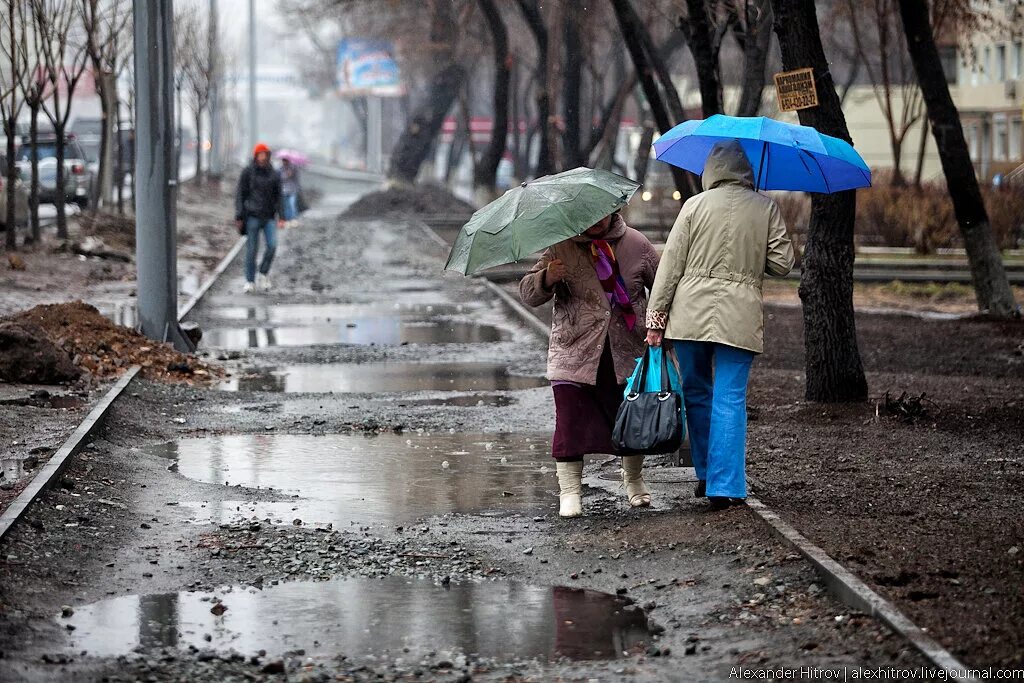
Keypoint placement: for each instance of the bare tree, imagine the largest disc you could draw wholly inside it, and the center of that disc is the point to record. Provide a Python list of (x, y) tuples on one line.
[(106, 23), (645, 58), (14, 50), (34, 89), (535, 21), (991, 286), (833, 365), (754, 35), (879, 47), (64, 58), (488, 168), (195, 63)]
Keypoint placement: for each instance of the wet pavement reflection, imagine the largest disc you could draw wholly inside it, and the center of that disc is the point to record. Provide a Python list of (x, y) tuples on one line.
[(365, 617), (357, 479), (312, 313), (383, 331), (347, 378)]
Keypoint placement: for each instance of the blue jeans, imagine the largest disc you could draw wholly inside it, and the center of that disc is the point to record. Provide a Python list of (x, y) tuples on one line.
[(253, 227), (291, 206), (715, 393)]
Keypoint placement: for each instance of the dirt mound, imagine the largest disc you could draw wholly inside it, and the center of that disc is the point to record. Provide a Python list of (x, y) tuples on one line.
[(96, 345), (29, 356), (116, 231), (406, 199)]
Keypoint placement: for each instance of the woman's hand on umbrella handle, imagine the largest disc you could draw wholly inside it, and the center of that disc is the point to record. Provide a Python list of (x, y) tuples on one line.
[(554, 273), (654, 337)]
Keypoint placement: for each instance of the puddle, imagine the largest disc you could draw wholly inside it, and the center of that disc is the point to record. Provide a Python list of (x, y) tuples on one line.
[(383, 331), (348, 378), (14, 469), (362, 618), (312, 313), (387, 478), (471, 401)]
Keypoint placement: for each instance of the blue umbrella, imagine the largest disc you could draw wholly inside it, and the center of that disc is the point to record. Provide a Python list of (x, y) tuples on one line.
[(784, 156)]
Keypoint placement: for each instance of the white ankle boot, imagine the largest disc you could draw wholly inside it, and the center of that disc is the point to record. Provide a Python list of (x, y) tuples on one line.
[(570, 488), (633, 478)]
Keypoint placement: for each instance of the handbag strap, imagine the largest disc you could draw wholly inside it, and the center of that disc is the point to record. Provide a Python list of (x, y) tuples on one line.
[(665, 386), (641, 377)]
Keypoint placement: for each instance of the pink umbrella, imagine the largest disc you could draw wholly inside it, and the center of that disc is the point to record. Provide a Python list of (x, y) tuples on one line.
[(297, 158)]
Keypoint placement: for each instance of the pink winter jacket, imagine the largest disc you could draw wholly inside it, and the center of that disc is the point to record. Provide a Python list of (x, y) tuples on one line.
[(580, 325)]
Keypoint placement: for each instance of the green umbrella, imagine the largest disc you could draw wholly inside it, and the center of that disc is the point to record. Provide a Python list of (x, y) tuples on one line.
[(535, 215)]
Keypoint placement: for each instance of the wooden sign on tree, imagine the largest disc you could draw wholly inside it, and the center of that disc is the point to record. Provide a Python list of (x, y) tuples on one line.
[(796, 89)]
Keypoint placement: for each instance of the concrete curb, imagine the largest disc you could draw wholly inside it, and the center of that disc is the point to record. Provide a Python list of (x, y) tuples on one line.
[(60, 460), (856, 594), (217, 272)]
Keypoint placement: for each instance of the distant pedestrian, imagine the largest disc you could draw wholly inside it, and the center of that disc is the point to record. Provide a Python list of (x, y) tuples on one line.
[(707, 301), (597, 281), (258, 202), (290, 189)]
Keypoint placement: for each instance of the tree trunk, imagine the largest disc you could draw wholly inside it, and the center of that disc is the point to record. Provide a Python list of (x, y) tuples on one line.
[(700, 39), (425, 123), (11, 238), (921, 149), (33, 188), (199, 145), (102, 193), (487, 171), (833, 364), (119, 175), (58, 197), (630, 29), (755, 52), (643, 154), (572, 85), (991, 287), (545, 156)]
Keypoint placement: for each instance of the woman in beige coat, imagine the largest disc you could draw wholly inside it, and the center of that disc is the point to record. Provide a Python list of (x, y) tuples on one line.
[(599, 283), (707, 301)]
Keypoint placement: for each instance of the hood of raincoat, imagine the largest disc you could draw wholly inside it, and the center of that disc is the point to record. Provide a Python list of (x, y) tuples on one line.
[(727, 165)]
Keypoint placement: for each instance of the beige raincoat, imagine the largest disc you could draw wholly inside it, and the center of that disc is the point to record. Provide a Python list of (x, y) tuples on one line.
[(708, 286)]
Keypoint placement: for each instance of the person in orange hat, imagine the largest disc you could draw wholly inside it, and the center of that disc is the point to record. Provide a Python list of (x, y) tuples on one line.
[(258, 209)]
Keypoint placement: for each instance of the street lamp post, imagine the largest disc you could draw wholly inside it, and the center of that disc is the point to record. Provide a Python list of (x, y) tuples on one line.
[(155, 186)]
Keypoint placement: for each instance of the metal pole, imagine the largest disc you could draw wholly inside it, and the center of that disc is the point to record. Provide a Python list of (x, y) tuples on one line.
[(253, 120), (214, 59), (155, 189), (374, 134)]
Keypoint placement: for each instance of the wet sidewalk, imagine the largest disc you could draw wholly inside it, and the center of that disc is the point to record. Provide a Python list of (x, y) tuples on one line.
[(370, 492)]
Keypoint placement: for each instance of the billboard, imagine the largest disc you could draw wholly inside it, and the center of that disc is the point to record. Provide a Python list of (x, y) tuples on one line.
[(367, 67)]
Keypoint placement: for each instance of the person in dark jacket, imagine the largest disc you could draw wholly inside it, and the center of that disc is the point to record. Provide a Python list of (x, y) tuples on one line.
[(258, 209)]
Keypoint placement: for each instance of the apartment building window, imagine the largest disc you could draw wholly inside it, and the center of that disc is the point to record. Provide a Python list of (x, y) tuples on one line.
[(1018, 59), (1016, 153), (1000, 138), (947, 55), (986, 65), (972, 140), (1000, 72)]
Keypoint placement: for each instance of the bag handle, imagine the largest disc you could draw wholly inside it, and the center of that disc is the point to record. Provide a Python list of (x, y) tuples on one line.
[(637, 388), (665, 386)]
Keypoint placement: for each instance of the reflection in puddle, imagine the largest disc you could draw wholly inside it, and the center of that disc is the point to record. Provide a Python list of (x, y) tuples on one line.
[(314, 313), (469, 401), (383, 331), (387, 478), (15, 468), (366, 617), (347, 378)]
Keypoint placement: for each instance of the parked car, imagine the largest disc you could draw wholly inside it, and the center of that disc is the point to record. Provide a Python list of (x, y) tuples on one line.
[(21, 198), (78, 178)]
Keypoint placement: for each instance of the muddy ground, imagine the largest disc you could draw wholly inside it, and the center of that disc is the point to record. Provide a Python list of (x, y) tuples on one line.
[(923, 501), (196, 505), (37, 419)]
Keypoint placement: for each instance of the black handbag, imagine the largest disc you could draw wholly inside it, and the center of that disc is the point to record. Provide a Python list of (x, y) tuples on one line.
[(649, 422)]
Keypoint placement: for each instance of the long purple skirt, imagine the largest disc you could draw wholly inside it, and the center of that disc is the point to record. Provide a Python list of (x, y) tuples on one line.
[(585, 415)]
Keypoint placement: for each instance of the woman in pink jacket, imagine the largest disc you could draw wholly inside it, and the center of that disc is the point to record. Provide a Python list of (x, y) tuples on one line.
[(598, 281)]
